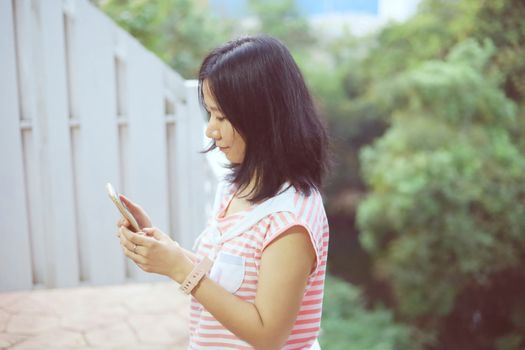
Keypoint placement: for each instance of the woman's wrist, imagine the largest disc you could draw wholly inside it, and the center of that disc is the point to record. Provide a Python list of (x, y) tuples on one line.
[(180, 273)]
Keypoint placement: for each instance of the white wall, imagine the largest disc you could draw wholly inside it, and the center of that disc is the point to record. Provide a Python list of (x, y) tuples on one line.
[(83, 103)]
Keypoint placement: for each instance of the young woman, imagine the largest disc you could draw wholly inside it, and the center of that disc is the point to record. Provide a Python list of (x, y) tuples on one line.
[(257, 275)]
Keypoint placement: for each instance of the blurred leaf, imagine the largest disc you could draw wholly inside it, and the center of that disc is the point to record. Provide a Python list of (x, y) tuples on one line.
[(347, 325)]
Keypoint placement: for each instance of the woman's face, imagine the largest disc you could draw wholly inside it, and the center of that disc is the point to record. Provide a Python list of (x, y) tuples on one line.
[(226, 138)]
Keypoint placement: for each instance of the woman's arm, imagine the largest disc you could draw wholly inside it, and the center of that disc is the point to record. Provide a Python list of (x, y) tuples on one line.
[(284, 269), (190, 255)]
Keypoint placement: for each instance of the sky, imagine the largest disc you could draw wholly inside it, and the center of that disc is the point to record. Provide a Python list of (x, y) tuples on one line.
[(396, 9), (332, 16)]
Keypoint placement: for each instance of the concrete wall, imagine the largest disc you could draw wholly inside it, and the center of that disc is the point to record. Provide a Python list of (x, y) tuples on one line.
[(82, 103)]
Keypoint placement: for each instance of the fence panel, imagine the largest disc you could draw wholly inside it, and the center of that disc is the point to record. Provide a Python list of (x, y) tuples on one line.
[(13, 205), (55, 163), (85, 104), (96, 141), (147, 171)]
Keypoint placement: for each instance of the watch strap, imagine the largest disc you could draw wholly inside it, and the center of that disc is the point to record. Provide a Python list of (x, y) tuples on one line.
[(196, 275)]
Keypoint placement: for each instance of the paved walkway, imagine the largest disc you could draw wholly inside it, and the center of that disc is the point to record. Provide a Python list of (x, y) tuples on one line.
[(133, 316)]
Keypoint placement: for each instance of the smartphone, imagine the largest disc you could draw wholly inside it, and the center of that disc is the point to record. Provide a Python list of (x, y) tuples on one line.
[(115, 198)]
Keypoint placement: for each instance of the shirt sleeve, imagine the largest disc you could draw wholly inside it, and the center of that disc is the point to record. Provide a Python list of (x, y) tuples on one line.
[(307, 213)]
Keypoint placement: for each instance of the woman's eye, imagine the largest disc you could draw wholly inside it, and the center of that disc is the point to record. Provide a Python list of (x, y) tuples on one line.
[(213, 114)]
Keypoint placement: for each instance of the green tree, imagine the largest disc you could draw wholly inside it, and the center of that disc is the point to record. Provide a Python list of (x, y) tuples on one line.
[(457, 127), (348, 325), (446, 208), (181, 32), (283, 20)]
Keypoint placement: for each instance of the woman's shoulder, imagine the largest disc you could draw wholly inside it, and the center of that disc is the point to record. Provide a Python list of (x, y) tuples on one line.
[(300, 209), (305, 206)]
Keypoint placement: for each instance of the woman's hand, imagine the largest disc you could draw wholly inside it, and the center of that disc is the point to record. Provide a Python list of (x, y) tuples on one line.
[(138, 213), (154, 251)]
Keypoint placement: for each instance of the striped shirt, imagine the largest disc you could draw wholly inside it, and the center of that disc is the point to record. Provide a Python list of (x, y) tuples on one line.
[(236, 268)]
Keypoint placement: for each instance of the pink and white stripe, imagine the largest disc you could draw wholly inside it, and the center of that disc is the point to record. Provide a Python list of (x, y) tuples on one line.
[(308, 211)]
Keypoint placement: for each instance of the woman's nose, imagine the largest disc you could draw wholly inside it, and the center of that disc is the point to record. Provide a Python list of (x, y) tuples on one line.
[(212, 133)]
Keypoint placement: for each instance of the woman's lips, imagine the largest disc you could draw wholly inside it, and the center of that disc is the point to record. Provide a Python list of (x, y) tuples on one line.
[(223, 149)]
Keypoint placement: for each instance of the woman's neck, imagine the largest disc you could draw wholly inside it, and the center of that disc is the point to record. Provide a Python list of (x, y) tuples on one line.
[(244, 192)]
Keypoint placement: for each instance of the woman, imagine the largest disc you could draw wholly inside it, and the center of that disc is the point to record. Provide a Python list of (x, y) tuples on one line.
[(257, 275)]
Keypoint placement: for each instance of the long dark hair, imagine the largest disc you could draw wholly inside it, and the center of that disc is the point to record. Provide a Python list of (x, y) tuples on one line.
[(260, 89)]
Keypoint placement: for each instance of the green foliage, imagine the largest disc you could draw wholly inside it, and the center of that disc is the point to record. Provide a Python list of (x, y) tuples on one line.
[(282, 19), (402, 46), (445, 213), (446, 207), (348, 325), (509, 342), (508, 34), (178, 31), (456, 90)]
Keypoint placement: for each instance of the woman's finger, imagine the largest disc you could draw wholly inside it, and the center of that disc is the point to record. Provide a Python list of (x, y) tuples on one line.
[(153, 232), (136, 238), (132, 206), (136, 210), (122, 222), (128, 244), (144, 267), (139, 259), (126, 200)]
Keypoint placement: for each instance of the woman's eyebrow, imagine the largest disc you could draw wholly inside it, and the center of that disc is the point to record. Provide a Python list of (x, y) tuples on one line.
[(210, 108)]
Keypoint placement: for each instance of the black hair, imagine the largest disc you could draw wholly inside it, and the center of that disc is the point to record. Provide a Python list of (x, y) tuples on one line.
[(259, 88)]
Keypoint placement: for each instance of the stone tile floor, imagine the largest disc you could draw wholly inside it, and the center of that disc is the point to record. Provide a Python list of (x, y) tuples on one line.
[(133, 316)]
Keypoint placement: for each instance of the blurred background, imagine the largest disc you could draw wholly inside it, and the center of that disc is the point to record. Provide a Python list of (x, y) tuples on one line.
[(424, 100), (426, 201)]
